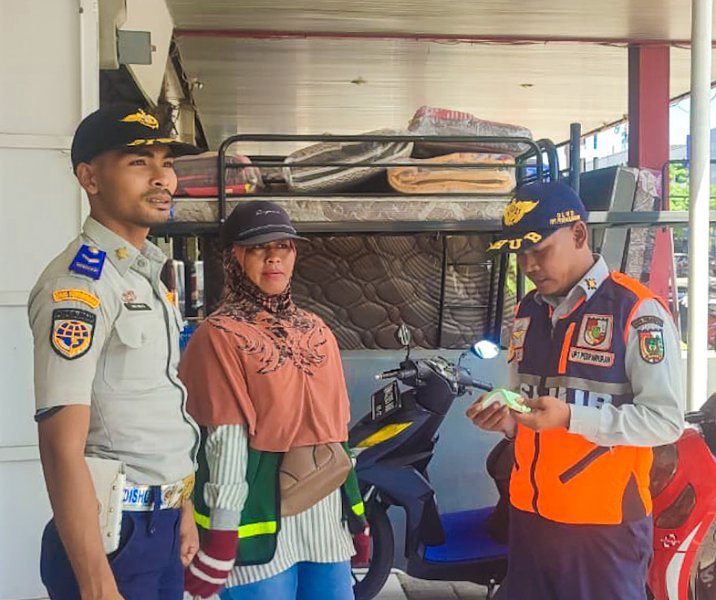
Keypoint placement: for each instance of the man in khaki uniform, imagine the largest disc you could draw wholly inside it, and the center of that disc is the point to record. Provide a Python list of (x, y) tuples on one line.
[(106, 353)]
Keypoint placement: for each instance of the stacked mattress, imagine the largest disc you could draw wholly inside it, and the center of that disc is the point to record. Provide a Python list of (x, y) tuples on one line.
[(364, 166)]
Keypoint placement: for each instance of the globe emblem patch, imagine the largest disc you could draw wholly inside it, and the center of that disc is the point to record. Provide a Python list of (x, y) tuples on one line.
[(72, 331)]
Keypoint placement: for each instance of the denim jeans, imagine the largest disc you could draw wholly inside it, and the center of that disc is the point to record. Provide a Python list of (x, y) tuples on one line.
[(303, 581)]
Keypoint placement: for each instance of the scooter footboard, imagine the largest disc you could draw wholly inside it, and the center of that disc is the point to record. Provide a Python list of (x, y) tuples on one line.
[(405, 486)]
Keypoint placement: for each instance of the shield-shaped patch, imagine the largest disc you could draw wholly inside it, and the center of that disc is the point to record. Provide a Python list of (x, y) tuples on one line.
[(72, 331), (596, 332), (651, 345)]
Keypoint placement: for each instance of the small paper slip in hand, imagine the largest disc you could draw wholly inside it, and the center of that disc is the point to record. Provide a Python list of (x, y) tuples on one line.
[(505, 398)]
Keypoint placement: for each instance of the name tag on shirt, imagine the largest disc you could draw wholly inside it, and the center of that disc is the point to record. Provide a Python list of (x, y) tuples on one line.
[(137, 306)]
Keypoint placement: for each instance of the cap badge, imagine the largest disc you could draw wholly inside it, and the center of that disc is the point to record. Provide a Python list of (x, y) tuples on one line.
[(516, 210), (142, 118), (564, 218)]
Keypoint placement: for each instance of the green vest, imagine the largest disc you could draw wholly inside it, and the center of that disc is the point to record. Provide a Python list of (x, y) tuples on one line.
[(260, 518)]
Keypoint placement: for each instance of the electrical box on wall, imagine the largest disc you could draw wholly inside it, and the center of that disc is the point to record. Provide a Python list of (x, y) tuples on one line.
[(134, 47), (137, 33)]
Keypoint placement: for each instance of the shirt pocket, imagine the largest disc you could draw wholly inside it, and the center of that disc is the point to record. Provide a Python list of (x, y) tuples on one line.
[(136, 357)]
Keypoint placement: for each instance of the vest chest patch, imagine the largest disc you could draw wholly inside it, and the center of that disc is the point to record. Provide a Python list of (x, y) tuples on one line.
[(596, 332), (591, 357), (519, 332), (517, 339)]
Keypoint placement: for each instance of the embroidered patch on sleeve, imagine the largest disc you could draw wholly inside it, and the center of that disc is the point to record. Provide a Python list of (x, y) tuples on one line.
[(591, 357), (647, 320), (78, 295), (72, 331), (596, 331), (651, 346), (88, 261)]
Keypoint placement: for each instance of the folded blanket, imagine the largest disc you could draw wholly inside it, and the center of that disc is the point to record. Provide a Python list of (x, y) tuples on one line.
[(440, 121), (313, 178), (425, 179)]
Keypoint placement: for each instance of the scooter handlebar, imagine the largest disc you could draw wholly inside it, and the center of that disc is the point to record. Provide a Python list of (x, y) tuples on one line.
[(397, 373), (465, 379)]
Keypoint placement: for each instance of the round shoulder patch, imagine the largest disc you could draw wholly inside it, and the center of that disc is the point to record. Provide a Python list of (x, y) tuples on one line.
[(72, 331)]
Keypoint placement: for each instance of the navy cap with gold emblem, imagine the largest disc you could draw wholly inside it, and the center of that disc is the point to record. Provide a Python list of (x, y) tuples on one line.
[(535, 213), (121, 126)]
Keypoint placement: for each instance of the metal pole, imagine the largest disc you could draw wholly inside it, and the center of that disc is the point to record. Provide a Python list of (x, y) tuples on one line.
[(699, 181), (575, 158)]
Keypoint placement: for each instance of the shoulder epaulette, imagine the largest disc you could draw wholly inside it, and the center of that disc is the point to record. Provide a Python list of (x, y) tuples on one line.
[(88, 261)]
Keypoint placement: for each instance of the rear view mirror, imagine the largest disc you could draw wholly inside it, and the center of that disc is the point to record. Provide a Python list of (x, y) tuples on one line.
[(403, 336)]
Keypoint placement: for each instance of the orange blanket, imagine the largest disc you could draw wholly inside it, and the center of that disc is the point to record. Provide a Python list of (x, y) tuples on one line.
[(423, 178)]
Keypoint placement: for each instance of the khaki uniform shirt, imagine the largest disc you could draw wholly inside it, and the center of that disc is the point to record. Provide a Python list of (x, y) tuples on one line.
[(107, 336)]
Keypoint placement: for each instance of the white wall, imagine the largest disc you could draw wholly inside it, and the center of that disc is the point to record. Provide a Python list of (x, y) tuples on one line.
[(45, 47)]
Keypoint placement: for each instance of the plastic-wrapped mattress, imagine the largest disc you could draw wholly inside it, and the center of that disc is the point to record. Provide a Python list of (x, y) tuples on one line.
[(197, 176), (302, 175), (440, 121), (436, 176)]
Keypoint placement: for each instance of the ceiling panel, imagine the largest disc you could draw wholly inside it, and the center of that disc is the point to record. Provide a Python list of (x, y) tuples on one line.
[(352, 86), (643, 19)]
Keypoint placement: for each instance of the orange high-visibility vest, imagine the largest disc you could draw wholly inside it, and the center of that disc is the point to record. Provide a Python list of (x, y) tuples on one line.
[(560, 475)]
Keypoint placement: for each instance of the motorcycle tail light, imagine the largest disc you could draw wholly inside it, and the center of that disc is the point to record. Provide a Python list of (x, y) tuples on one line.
[(663, 469), (678, 511)]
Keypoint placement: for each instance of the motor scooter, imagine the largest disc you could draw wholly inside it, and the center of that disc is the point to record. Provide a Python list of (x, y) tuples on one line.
[(683, 487), (394, 445)]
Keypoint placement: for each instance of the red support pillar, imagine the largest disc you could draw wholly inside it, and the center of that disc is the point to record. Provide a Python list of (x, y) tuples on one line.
[(649, 144), (648, 106)]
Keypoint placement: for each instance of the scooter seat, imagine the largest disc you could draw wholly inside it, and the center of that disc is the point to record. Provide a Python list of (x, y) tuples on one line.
[(466, 538)]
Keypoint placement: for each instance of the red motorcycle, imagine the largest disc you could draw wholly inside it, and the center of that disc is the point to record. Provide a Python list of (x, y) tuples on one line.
[(683, 486)]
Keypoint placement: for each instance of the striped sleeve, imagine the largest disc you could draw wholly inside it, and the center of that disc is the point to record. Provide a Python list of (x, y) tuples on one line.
[(226, 491)]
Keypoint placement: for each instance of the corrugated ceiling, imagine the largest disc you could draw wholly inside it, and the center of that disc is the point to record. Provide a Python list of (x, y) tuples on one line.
[(254, 84)]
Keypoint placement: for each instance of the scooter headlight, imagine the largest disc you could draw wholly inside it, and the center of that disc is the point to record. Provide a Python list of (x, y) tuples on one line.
[(663, 469)]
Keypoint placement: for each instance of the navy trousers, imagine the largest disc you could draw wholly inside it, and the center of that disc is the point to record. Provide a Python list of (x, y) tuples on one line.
[(146, 565), (556, 561)]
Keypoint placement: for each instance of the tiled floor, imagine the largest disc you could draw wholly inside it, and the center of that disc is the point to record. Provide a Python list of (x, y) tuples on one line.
[(403, 587)]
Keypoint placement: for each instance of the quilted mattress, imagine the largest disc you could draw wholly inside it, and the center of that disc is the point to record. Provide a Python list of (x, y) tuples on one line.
[(365, 286)]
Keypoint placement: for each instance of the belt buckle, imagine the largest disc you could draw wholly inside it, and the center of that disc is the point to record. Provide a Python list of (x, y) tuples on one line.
[(174, 495)]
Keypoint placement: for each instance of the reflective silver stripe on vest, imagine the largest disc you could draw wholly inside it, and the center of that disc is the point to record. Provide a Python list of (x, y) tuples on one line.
[(529, 379), (578, 383)]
